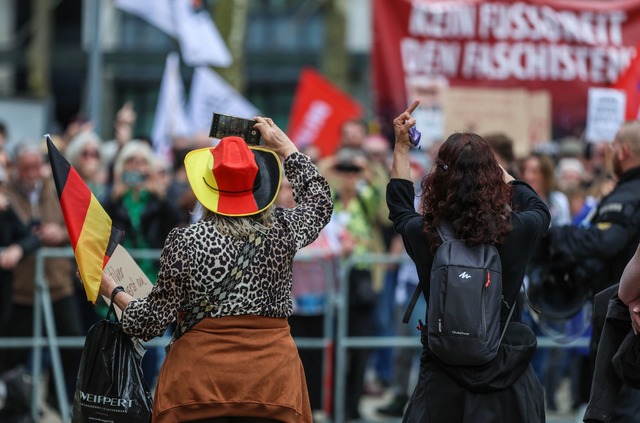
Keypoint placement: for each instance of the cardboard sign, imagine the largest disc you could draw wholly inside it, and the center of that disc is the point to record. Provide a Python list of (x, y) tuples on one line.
[(522, 115), (126, 272)]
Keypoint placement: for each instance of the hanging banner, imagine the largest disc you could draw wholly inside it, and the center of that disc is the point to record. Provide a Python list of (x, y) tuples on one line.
[(319, 110), (544, 45)]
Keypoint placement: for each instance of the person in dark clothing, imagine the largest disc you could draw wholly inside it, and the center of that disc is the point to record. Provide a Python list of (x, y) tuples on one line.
[(484, 204), (16, 241), (600, 253)]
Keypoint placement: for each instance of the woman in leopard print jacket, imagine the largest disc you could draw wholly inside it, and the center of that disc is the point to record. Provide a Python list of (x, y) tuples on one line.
[(226, 280)]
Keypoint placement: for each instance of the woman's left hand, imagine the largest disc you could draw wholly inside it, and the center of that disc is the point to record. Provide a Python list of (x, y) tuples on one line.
[(403, 123), (107, 284)]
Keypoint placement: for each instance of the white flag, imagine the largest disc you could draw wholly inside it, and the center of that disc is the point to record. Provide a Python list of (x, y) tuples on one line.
[(210, 93), (156, 12), (170, 120), (200, 42), (199, 38)]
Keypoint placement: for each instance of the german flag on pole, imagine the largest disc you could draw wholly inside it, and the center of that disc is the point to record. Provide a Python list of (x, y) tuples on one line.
[(92, 235)]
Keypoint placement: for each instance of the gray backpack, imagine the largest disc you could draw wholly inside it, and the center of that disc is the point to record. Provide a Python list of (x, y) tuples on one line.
[(465, 298)]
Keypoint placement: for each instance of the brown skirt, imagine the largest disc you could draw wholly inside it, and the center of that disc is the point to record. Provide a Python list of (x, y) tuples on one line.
[(233, 366)]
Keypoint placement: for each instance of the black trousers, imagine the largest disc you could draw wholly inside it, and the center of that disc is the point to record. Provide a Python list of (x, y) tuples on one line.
[(67, 323), (312, 358), (361, 308), (610, 401)]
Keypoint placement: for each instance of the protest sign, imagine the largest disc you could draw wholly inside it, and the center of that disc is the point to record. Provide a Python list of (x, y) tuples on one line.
[(126, 273), (605, 114), (559, 46)]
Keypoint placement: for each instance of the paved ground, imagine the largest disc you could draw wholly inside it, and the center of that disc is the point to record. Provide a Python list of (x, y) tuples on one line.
[(369, 414), (369, 405)]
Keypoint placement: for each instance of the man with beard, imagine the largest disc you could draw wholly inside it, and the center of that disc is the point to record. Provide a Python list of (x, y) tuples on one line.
[(598, 254)]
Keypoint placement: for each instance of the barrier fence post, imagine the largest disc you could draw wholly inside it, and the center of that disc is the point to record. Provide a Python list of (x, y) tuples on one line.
[(342, 301), (329, 344), (43, 300), (37, 334)]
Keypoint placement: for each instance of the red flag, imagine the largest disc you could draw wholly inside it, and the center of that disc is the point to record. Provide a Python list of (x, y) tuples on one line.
[(319, 109), (92, 236), (629, 82)]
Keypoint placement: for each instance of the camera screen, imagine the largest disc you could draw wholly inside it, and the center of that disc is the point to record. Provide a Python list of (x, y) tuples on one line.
[(225, 125)]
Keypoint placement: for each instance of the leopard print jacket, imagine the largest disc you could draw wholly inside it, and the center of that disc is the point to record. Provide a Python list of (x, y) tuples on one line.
[(196, 258)]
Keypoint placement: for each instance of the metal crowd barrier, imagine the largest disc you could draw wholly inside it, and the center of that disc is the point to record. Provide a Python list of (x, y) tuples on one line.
[(43, 313), (335, 306)]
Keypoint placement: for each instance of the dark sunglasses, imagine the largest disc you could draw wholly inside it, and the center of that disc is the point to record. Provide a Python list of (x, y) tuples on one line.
[(90, 153)]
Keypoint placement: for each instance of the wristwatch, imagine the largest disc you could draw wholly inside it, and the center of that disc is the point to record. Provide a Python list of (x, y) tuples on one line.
[(115, 292)]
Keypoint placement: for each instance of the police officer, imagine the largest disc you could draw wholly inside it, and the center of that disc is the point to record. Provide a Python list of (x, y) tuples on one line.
[(599, 253)]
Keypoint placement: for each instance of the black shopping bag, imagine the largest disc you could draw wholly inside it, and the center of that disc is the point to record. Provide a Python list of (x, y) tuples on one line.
[(110, 386)]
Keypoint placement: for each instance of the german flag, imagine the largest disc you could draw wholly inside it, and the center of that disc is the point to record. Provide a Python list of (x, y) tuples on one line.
[(92, 235)]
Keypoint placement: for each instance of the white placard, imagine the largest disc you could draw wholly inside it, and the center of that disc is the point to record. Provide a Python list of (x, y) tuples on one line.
[(605, 114), (126, 273)]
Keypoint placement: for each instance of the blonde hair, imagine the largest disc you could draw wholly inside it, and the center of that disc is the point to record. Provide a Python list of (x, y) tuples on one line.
[(77, 144), (238, 226), (131, 149)]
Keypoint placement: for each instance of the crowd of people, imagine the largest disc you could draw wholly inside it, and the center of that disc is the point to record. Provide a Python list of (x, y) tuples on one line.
[(588, 190)]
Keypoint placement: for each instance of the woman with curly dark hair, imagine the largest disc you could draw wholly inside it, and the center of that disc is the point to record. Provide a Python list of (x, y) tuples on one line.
[(484, 204), (472, 191)]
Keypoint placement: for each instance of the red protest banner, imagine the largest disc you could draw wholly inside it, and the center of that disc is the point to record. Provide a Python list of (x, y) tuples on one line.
[(319, 109), (629, 82), (563, 47)]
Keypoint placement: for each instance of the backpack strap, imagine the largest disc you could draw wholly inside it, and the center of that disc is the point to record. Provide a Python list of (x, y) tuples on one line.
[(412, 302), (446, 232), (418, 291), (504, 329)]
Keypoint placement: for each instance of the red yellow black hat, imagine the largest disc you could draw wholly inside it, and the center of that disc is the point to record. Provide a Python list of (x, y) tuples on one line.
[(234, 179)]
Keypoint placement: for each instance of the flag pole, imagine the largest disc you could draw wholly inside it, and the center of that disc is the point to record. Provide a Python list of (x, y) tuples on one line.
[(94, 93)]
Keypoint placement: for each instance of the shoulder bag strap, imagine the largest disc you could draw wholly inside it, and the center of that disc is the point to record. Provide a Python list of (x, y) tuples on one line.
[(205, 306)]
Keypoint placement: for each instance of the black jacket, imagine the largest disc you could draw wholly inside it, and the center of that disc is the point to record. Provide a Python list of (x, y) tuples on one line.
[(607, 245), (12, 231)]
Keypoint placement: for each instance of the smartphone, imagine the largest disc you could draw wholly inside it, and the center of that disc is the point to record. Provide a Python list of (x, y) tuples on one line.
[(227, 125), (133, 177)]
